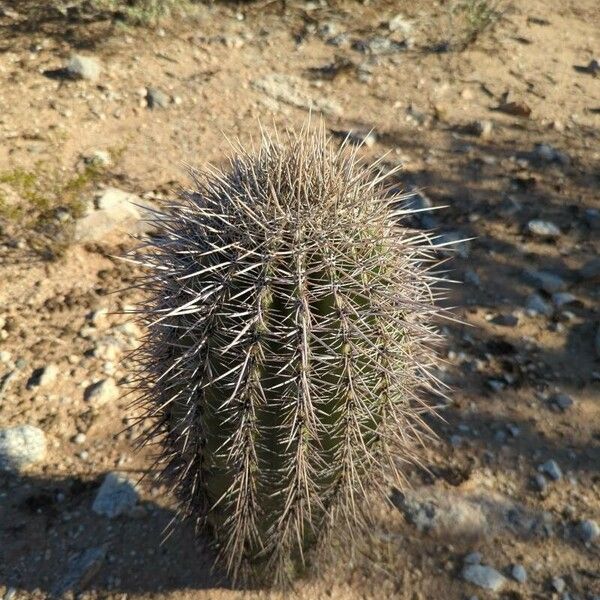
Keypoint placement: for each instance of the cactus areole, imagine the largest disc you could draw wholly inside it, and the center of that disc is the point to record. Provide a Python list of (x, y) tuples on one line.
[(289, 328)]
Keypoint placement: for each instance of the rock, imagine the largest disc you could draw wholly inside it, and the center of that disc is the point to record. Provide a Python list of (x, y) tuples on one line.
[(597, 342), (116, 495), (540, 483), (98, 158), (590, 270), (453, 243), (546, 281), (587, 531), (115, 211), (482, 128), (400, 23), (81, 570), (294, 91), (484, 577), (543, 229), (83, 67), (548, 154), (157, 99), (591, 216), (518, 573), (44, 376), (102, 392), (537, 305), (560, 299), (558, 584), (463, 515), (21, 446), (551, 469), (561, 401), (505, 320), (471, 277), (379, 45), (473, 558)]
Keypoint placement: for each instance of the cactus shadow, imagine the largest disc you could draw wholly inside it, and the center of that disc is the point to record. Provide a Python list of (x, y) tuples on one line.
[(54, 542)]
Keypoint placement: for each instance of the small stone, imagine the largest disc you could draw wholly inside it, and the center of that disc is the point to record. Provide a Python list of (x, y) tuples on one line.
[(79, 438), (535, 304), (560, 299), (44, 376), (473, 558), (590, 270), (543, 229), (546, 153), (21, 446), (102, 392), (157, 98), (551, 469), (506, 320), (587, 531), (454, 243), (400, 23), (116, 495), (484, 577), (561, 401), (518, 573), (591, 216), (482, 129), (558, 584), (540, 482), (471, 277), (546, 281), (360, 138), (98, 158), (83, 67)]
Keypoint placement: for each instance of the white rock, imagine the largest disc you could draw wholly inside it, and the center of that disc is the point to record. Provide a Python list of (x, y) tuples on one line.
[(102, 392), (84, 67), (116, 495), (21, 446), (543, 229)]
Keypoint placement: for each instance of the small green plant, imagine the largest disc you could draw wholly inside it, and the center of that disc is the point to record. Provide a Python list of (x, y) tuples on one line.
[(31, 201), (471, 18), (289, 318), (144, 12)]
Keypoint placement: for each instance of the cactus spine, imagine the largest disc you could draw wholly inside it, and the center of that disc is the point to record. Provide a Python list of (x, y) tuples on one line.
[(289, 335)]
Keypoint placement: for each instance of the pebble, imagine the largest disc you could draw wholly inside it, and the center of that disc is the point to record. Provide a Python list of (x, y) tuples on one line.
[(473, 558), (98, 158), (471, 277), (44, 376), (560, 299), (561, 401), (546, 281), (535, 304), (80, 438), (543, 229), (484, 577), (587, 531), (551, 469), (21, 446), (548, 154), (400, 23), (558, 584), (116, 495), (590, 270), (157, 98), (505, 320), (540, 482), (102, 392), (83, 67), (518, 573)]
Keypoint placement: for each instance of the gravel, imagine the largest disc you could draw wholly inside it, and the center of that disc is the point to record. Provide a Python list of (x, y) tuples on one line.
[(83, 67), (551, 469), (543, 229), (102, 392), (518, 573), (546, 281), (587, 530)]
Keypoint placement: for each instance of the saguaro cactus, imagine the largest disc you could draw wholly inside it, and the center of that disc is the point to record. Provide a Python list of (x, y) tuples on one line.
[(289, 339)]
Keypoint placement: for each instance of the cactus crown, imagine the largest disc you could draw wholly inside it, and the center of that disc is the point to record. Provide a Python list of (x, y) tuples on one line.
[(289, 334)]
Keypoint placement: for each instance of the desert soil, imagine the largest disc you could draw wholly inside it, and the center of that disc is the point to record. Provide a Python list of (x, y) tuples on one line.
[(523, 368)]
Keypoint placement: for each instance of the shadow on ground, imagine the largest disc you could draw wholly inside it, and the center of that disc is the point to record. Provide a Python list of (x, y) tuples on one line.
[(54, 542)]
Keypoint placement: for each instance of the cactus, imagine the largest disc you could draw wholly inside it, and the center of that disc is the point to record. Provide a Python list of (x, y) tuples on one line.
[(289, 321)]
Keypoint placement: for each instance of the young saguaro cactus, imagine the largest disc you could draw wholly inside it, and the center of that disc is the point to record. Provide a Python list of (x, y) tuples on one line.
[(289, 321)]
